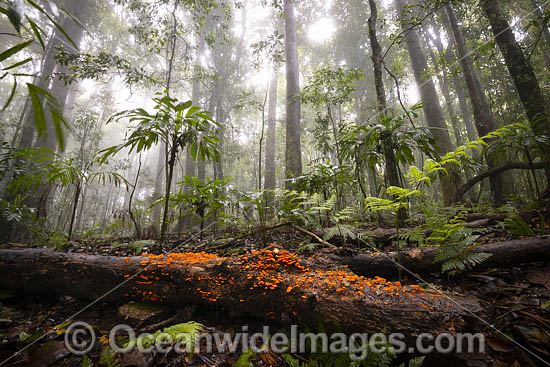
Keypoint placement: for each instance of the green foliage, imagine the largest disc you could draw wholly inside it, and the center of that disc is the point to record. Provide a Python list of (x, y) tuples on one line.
[(203, 198), (87, 66), (434, 167), (244, 359), (399, 200), (137, 246), (186, 333), (254, 204), (324, 178), (178, 124), (517, 226), (21, 16), (331, 86), (455, 246), (371, 359), (86, 362), (308, 247), (52, 168), (108, 358)]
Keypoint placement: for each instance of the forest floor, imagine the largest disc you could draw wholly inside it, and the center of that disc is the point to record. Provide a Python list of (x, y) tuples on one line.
[(515, 298)]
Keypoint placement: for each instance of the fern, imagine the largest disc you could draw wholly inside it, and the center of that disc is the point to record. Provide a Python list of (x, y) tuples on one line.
[(457, 244), (108, 358), (308, 247), (186, 333), (517, 226), (415, 362), (86, 362)]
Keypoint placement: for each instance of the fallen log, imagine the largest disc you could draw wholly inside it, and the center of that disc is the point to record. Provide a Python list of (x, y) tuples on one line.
[(270, 284), (421, 260)]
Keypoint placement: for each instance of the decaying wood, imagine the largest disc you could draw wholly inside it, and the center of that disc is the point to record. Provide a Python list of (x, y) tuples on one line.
[(271, 284), (421, 260)]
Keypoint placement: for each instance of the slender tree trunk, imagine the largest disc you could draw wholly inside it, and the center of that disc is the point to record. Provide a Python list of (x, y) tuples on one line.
[(220, 117), (483, 116), (432, 109), (293, 151), (270, 179), (159, 184), (388, 144), (443, 81), (524, 78)]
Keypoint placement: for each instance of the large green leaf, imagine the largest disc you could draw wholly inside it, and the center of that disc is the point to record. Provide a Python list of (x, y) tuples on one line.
[(13, 50)]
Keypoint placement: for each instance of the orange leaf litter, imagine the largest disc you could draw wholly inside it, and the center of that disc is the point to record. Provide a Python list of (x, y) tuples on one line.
[(267, 269)]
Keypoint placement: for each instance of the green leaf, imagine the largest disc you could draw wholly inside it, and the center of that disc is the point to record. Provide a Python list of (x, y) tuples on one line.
[(18, 64), (36, 30), (39, 118), (39, 8), (15, 17), (12, 93), (15, 49)]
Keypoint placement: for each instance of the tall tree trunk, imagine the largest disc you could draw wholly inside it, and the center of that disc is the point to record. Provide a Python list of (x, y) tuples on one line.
[(431, 106), (388, 144), (220, 117), (293, 150), (270, 180), (462, 101), (483, 116), (524, 78), (443, 81)]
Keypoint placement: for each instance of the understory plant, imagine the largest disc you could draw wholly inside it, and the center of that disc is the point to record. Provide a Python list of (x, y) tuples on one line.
[(455, 245), (180, 126), (204, 198)]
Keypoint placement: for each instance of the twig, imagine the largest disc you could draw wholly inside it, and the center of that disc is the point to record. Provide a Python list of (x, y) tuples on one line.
[(313, 235)]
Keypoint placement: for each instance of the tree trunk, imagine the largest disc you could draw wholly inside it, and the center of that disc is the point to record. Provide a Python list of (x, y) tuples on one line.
[(431, 106), (270, 177), (293, 150), (483, 116), (421, 260), (524, 78), (388, 144), (443, 80), (159, 184), (220, 117), (268, 284)]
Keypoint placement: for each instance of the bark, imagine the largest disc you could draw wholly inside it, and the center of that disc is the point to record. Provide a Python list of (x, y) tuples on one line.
[(463, 103), (270, 178), (159, 184), (443, 79), (524, 78), (220, 117), (293, 150), (495, 171), (190, 164), (388, 144), (483, 116), (421, 260), (58, 88), (376, 58), (271, 284), (432, 109)]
